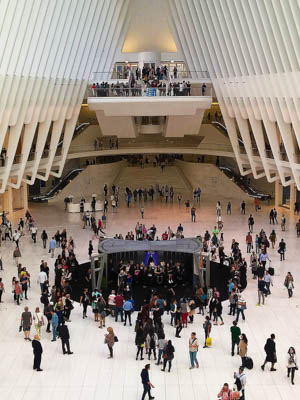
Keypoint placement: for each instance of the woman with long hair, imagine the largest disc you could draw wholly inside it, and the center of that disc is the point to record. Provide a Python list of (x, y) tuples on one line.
[(291, 363), (243, 347), (110, 341)]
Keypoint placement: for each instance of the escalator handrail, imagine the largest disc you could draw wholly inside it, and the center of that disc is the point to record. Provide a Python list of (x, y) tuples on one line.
[(53, 191), (249, 189)]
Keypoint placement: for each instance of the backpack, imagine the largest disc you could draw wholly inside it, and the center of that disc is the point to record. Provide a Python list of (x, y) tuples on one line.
[(238, 384)]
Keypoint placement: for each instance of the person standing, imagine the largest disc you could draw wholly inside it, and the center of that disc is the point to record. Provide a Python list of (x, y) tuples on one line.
[(289, 284), (146, 382), (65, 338), (162, 342), (26, 322), (207, 329), (249, 242), (52, 246), (193, 349), (240, 381), (110, 341), (119, 307), (37, 352), (168, 355), (235, 337), (1, 289), (250, 223), (273, 238), (33, 233), (268, 282), (291, 363), (282, 249), (193, 214), (270, 350), (243, 347), (128, 308), (142, 210), (228, 209), (243, 207), (54, 322), (42, 278), (178, 322), (85, 301), (283, 222)]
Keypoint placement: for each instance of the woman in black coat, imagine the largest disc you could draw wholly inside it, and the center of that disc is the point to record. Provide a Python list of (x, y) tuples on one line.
[(168, 355)]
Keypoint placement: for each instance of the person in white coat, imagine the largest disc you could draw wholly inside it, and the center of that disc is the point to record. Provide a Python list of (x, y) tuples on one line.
[(291, 363)]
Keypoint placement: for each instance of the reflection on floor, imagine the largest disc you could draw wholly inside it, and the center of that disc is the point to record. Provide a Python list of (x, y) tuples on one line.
[(88, 374)]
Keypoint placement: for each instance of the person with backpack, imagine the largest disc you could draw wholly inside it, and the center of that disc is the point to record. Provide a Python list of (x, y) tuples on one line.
[(282, 249), (270, 349), (240, 382), (168, 355), (291, 363)]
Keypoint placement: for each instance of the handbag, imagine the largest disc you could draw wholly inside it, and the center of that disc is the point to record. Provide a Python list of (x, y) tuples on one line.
[(116, 339), (20, 328), (208, 341)]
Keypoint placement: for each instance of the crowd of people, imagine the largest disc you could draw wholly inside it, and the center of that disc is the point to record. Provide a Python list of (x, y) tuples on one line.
[(137, 88), (165, 299)]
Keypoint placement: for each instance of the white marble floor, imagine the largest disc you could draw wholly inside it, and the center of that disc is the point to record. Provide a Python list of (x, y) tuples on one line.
[(88, 374)]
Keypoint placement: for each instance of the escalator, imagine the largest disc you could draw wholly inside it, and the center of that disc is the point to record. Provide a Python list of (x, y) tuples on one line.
[(57, 187), (243, 184)]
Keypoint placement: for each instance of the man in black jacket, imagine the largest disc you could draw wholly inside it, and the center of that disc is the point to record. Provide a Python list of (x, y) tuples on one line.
[(146, 382), (64, 336), (37, 351), (270, 349)]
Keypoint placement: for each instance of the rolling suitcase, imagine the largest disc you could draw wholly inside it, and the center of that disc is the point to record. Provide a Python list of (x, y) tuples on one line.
[(249, 363)]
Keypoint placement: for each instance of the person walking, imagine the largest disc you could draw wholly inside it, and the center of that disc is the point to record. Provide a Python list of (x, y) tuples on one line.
[(162, 342), (140, 343), (168, 355), (261, 290), (37, 352), (240, 382), (283, 222), (193, 350), (291, 363), (289, 284), (273, 238), (270, 350), (207, 330), (146, 382), (110, 341), (241, 306), (142, 210), (44, 238), (282, 249), (26, 322), (235, 337), (38, 321), (65, 338), (243, 347)]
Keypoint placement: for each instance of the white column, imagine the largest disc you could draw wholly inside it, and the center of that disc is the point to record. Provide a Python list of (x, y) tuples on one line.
[(149, 57), (278, 193)]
